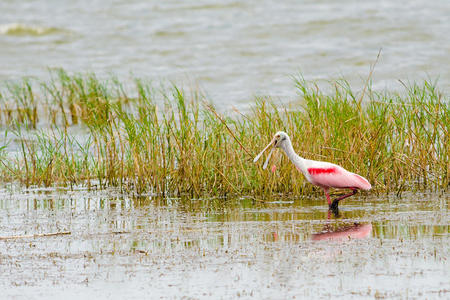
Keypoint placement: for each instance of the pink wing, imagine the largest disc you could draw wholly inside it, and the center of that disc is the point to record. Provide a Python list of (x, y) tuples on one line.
[(337, 177)]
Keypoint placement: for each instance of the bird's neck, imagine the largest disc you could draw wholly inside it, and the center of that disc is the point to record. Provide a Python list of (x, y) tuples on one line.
[(296, 159)]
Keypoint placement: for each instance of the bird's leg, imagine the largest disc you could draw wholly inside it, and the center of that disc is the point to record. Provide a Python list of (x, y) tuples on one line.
[(354, 191), (334, 210), (334, 205), (328, 196), (329, 217)]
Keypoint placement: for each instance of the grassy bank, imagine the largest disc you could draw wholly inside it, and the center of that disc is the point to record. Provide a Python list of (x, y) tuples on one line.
[(182, 145)]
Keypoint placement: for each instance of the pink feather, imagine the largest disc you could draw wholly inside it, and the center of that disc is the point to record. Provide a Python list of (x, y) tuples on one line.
[(337, 177)]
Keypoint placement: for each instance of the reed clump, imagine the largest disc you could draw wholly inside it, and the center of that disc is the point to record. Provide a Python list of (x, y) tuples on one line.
[(80, 130)]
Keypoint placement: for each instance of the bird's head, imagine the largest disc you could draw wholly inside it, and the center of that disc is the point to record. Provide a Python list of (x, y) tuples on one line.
[(279, 141)]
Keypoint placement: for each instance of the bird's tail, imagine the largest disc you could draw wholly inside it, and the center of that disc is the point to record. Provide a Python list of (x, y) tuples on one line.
[(364, 183)]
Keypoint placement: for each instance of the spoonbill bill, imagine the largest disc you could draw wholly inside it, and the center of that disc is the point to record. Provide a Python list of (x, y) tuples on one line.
[(320, 173)]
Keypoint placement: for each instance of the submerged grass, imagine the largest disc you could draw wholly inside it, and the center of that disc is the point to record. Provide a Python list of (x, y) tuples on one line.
[(168, 142)]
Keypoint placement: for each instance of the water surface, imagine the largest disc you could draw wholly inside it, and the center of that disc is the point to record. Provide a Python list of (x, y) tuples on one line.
[(145, 247), (232, 50)]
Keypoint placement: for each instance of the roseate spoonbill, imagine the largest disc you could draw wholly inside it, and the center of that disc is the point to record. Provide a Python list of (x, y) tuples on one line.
[(320, 173)]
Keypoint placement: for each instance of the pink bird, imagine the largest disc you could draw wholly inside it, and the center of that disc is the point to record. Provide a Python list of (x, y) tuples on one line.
[(320, 173)]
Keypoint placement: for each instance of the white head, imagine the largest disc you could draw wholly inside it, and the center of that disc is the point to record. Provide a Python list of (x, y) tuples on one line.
[(280, 140)]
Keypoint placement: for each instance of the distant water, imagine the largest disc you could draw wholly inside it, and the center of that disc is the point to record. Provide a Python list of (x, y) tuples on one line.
[(232, 50)]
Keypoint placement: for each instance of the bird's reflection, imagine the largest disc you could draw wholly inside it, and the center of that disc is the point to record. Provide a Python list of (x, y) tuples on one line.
[(345, 231)]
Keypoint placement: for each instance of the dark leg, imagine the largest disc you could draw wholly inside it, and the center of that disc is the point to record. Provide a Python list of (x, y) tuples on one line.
[(334, 210), (334, 205)]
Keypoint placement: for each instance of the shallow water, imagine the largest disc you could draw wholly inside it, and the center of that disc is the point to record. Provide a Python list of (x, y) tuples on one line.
[(146, 247), (232, 50)]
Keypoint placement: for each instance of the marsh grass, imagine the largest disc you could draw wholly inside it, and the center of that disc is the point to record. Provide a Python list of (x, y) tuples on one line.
[(146, 140)]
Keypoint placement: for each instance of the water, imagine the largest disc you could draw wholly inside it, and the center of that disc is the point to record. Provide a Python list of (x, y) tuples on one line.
[(232, 50), (134, 248)]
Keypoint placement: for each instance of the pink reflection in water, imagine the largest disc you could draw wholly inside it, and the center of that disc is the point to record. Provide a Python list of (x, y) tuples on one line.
[(356, 231)]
